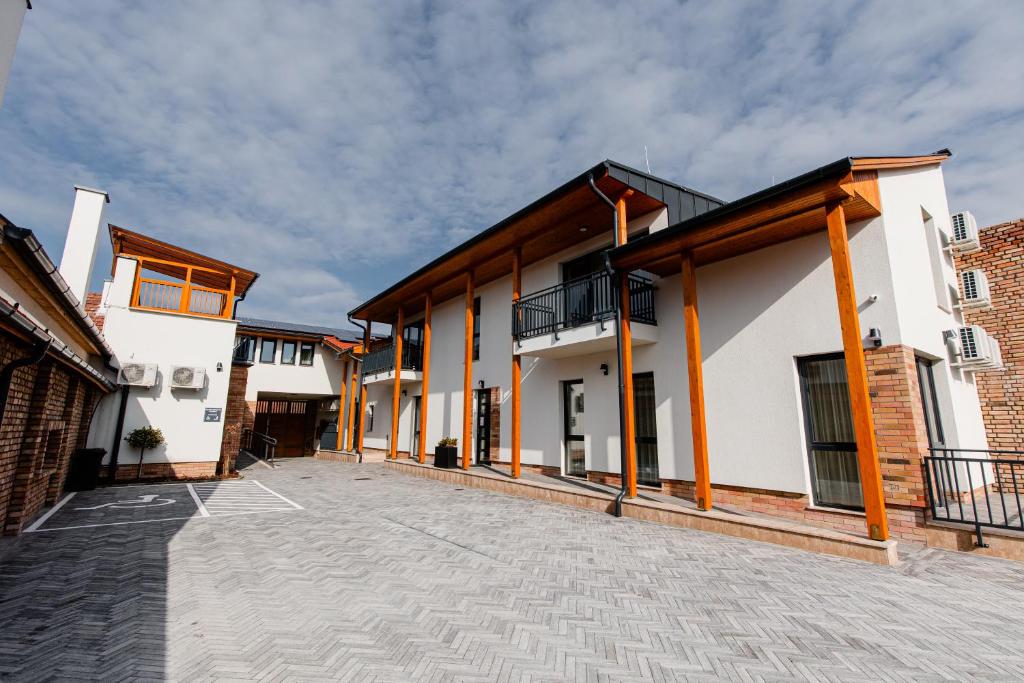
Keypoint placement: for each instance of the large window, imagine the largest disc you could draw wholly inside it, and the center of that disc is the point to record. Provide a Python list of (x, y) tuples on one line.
[(476, 328), (288, 352), (245, 348), (831, 444), (268, 349), (306, 353)]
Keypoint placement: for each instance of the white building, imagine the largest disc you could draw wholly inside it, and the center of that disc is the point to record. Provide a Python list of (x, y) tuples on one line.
[(776, 427), (12, 14)]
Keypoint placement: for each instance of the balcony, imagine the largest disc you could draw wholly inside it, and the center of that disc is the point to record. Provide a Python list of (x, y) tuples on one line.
[(379, 365), (577, 317)]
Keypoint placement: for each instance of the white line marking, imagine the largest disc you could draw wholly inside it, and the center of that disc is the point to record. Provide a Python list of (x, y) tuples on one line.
[(294, 505), (259, 460), (42, 520), (147, 521), (199, 502)]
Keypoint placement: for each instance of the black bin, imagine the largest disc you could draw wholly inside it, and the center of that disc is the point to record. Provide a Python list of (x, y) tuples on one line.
[(84, 469)]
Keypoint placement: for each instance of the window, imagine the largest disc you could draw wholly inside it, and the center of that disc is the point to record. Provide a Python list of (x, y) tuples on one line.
[(831, 444), (306, 353), (369, 417), (476, 328), (268, 349), (245, 348), (288, 352)]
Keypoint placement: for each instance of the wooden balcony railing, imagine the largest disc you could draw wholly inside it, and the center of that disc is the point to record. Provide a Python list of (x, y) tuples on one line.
[(181, 297)]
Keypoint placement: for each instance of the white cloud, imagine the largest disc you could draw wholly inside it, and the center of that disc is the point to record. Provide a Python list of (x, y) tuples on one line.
[(335, 147)]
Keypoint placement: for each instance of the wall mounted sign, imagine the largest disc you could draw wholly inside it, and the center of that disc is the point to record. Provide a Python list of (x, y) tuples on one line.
[(211, 415)]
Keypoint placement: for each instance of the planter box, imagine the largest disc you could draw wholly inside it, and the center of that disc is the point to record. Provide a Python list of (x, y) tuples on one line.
[(446, 456)]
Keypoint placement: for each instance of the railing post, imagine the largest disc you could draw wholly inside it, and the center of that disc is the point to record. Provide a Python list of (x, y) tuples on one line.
[(186, 291)]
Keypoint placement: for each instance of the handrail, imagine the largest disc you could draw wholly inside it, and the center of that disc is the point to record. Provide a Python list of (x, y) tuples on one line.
[(181, 297), (265, 448), (580, 301)]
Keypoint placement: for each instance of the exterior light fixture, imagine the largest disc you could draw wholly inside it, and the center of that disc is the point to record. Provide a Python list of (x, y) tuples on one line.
[(220, 367), (584, 228), (604, 369), (480, 384), (875, 337)]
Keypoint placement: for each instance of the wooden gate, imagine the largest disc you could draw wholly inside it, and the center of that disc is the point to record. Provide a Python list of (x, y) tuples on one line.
[(291, 422)]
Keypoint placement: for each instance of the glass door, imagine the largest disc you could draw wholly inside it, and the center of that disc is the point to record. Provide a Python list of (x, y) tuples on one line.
[(930, 399), (646, 430), (415, 449), (831, 444), (483, 426), (575, 446)]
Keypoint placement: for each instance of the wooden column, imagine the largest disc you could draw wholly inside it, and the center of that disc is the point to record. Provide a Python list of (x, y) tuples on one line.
[(467, 376), (396, 390), (421, 446), (352, 405), (856, 375), (362, 392), (340, 445), (695, 372), (517, 369), (626, 340)]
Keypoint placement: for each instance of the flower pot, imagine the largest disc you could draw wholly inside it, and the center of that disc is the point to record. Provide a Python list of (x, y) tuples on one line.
[(446, 456)]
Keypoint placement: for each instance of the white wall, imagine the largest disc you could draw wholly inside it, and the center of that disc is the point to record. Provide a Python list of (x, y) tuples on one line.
[(322, 378), (12, 14), (166, 339)]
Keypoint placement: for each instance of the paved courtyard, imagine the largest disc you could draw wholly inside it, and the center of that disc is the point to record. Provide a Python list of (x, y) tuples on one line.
[(353, 573)]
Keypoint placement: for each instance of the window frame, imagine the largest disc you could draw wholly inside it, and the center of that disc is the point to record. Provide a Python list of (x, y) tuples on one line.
[(312, 353), (273, 354), (251, 340), (295, 350), (477, 305)]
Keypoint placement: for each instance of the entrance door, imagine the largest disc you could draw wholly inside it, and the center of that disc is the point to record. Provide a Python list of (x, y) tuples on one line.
[(575, 447), (291, 422), (831, 444), (483, 426), (930, 398), (415, 448), (646, 429)]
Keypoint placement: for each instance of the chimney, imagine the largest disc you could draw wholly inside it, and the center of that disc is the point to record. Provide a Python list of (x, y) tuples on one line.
[(83, 234)]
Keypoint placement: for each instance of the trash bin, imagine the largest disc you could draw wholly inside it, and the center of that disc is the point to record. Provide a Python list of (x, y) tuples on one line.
[(84, 469)]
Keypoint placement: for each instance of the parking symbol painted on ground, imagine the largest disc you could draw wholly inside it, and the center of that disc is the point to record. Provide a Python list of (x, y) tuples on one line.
[(161, 503)]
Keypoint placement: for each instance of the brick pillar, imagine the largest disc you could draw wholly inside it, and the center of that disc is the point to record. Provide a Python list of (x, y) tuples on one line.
[(19, 402), (235, 414), (899, 420)]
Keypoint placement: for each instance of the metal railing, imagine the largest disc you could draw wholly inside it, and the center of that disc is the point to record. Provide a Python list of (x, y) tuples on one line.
[(979, 487), (383, 360), (589, 299), (259, 445)]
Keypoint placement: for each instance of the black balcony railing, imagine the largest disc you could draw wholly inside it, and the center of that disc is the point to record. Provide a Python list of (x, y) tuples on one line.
[(579, 302), (383, 360), (983, 488)]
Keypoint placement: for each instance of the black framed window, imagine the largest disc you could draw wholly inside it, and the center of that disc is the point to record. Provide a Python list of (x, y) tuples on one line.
[(306, 353), (268, 349), (930, 401), (288, 352), (476, 328), (245, 348), (831, 443)]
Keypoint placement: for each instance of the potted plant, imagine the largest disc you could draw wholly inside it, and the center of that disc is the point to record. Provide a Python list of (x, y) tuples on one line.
[(143, 438), (446, 453)]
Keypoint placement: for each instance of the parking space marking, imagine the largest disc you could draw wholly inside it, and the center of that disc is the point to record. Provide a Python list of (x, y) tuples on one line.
[(50, 513), (294, 505), (199, 503)]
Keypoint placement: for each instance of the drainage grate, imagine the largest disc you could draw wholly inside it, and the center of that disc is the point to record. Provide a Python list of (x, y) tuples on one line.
[(363, 479)]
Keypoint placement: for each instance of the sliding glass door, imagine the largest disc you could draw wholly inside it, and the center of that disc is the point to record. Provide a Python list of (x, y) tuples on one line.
[(831, 444)]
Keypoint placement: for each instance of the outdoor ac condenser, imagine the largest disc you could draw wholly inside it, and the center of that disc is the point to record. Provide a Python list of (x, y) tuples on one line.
[(965, 233), (975, 350), (137, 374), (187, 377), (974, 286)]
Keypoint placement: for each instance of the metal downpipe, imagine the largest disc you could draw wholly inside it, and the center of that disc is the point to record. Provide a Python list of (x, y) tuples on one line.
[(618, 349)]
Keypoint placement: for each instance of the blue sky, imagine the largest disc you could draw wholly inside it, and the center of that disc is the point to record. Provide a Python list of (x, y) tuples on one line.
[(335, 147)]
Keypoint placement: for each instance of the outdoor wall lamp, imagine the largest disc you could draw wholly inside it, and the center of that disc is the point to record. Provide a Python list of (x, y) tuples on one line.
[(875, 337), (604, 369), (480, 384), (220, 367)]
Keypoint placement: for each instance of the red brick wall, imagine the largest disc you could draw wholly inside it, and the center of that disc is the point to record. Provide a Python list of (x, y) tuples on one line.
[(166, 470), (92, 307), (1002, 392), (235, 418)]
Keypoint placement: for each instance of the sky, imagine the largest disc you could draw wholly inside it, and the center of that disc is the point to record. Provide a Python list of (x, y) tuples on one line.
[(335, 147)]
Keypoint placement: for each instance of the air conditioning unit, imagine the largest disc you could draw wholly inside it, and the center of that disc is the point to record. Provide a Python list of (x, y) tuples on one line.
[(187, 377), (973, 349), (974, 288), (137, 374), (965, 233)]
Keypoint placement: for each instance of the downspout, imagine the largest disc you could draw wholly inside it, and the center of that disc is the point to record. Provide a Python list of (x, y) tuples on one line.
[(37, 354), (356, 443), (618, 349)]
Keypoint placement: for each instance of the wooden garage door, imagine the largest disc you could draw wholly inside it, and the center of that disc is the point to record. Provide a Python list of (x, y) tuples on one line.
[(288, 421)]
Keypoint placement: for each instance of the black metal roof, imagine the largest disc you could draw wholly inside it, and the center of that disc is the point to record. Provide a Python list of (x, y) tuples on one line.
[(297, 328)]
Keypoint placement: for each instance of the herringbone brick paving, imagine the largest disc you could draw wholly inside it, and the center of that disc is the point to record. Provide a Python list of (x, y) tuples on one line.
[(393, 578)]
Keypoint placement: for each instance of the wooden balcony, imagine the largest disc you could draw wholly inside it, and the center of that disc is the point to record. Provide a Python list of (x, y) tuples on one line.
[(181, 296)]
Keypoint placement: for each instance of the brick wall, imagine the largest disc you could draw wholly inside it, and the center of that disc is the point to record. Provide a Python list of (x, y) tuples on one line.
[(49, 408), (92, 307), (1002, 392), (235, 418)]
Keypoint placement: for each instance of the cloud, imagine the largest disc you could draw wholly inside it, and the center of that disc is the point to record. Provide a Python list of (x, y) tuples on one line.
[(335, 147)]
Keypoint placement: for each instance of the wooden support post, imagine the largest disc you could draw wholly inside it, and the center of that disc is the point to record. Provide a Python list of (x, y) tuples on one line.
[(186, 292), (362, 392), (229, 302), (857, 375), (396, 391), (352, 405), (626, 340), (340, 444), (517, 370), (695, 372), (467, 376), (421, 446)]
